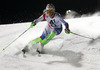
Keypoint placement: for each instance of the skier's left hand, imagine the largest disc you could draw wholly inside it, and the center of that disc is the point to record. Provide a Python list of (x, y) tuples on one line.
[(67, 31)]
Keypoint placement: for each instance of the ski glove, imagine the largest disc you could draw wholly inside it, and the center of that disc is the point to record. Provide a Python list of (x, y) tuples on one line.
[(32, 24), (67, 31)]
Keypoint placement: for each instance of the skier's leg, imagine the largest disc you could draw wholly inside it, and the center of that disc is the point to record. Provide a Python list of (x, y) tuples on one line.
[(45, 33), (44, 42)]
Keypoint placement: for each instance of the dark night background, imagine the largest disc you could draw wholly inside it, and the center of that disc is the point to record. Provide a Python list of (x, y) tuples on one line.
[(14, 11)]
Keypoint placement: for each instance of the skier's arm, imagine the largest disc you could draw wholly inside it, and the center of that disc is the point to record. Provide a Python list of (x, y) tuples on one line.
[(41, 18), (62, 20), (67, 30), (65, 23)]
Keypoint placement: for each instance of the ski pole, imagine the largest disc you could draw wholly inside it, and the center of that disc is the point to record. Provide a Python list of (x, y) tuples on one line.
[(82, 35), (16, 38)]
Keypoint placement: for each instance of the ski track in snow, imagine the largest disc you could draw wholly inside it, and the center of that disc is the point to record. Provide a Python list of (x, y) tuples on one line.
[(63, 52)]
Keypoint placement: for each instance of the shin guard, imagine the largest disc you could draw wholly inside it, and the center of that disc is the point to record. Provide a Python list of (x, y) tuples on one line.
[(35, 41), (48, 38)]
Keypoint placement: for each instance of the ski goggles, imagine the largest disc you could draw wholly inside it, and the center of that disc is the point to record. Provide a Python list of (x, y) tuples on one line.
[(50, 11)]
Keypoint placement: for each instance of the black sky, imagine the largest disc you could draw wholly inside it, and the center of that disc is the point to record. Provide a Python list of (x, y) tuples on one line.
[(12, 11)]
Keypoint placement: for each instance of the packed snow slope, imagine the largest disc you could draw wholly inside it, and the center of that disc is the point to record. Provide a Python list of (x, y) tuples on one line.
[(63, 52)]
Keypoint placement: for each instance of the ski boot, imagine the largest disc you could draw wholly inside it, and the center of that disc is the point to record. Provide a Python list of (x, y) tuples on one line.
[(25, 49)]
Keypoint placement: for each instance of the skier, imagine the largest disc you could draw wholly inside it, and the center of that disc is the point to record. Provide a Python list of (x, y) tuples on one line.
[(54, 27)]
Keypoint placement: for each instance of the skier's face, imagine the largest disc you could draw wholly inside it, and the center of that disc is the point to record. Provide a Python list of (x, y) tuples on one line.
[(50, 13)]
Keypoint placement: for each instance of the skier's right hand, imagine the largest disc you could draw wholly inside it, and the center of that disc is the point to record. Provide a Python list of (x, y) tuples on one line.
[(67, 31), (32, 24)]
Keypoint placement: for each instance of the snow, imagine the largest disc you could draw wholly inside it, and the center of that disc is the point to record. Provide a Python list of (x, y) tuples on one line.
[(64, 52)]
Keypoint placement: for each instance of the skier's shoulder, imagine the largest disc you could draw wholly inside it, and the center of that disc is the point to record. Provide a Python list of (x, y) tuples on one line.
[(44, 15), (57, 14)]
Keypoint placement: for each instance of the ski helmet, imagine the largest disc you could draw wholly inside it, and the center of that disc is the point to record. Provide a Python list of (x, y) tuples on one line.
[(50, 7)]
